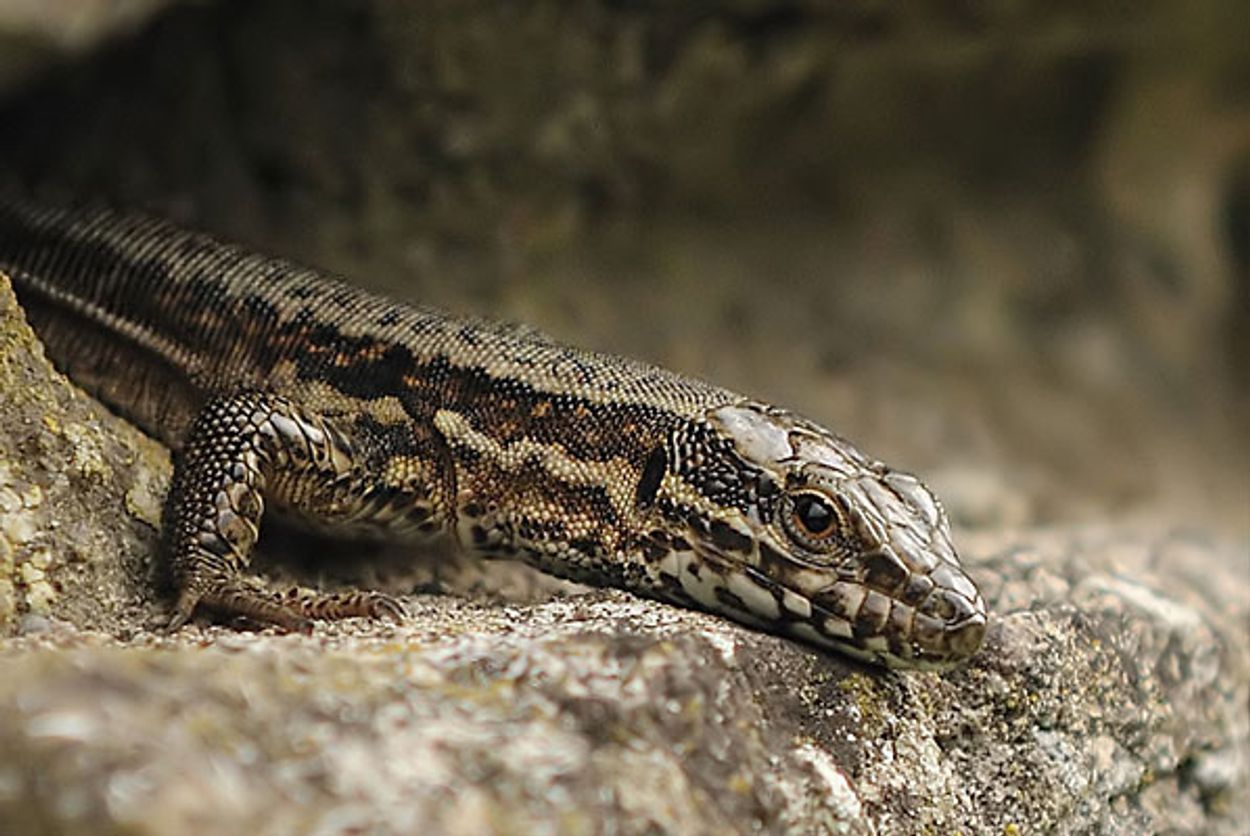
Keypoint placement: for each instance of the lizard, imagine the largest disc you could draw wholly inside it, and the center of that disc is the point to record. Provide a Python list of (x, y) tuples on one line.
[(284, 388)]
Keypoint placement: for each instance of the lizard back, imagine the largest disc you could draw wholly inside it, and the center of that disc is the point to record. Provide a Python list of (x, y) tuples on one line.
[(153, 319)]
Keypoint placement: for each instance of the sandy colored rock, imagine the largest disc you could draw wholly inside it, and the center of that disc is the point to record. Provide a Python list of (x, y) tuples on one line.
[(71, 548), (1114, 707)]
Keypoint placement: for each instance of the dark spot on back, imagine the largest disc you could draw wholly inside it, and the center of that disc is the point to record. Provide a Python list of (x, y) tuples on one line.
[(653, 551), (652, 475), (586, 546)]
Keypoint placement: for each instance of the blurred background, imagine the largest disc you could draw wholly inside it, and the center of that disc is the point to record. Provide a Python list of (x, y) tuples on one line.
[(1004, 244)]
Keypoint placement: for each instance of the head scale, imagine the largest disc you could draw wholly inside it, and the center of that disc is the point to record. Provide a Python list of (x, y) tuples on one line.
[(774, 521)]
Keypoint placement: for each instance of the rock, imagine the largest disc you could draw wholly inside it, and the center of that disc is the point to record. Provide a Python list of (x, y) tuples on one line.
[(69, 546), (34, 35), (1110, 695)]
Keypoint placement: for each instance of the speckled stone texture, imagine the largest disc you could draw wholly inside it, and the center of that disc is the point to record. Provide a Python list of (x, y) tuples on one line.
[(1110, 696), (80, 495)]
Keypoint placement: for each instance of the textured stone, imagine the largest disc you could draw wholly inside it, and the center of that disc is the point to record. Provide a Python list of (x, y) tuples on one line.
[(69, 545)]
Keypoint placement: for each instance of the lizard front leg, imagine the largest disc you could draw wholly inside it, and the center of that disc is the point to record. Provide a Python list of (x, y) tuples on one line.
[(243, 448)]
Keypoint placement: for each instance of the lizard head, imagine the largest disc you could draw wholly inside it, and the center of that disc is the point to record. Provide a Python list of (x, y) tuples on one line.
[(774, 521)]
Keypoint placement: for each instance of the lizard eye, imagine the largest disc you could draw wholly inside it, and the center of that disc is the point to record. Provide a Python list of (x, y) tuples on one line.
[(812, 520)]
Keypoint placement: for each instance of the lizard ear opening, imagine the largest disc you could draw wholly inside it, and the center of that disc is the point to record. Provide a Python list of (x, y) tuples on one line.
[(652, 475)]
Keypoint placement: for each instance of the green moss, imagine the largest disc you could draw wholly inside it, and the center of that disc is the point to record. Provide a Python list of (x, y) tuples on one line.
[(870, 702)]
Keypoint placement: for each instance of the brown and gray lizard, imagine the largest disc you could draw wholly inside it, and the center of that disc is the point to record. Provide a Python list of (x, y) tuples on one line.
[(278, 386)]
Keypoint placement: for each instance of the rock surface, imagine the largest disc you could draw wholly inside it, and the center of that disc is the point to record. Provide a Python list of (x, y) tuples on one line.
[(1111, 695), (80, 495), (36, 33)]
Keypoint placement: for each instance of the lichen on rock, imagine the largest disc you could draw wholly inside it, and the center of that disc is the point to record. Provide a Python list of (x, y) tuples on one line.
[(71, 548)]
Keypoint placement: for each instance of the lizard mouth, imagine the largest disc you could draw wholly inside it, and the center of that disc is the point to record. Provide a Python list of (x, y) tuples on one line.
[(937, 632), (942, 630)]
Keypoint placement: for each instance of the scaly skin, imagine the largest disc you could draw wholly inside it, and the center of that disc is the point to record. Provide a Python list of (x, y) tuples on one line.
[(280, 386)]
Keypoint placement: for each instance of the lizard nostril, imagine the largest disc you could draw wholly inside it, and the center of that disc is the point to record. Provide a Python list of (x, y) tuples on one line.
[(963, 621), (965, 639), (966, 609), (953, 607), (941, 605)]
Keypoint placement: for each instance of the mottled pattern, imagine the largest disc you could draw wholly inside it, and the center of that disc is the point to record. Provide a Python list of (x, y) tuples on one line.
[(281, 385)]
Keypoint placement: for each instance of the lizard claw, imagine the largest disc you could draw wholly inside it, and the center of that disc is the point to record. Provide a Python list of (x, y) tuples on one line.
[(355, 604), (384, 606)]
